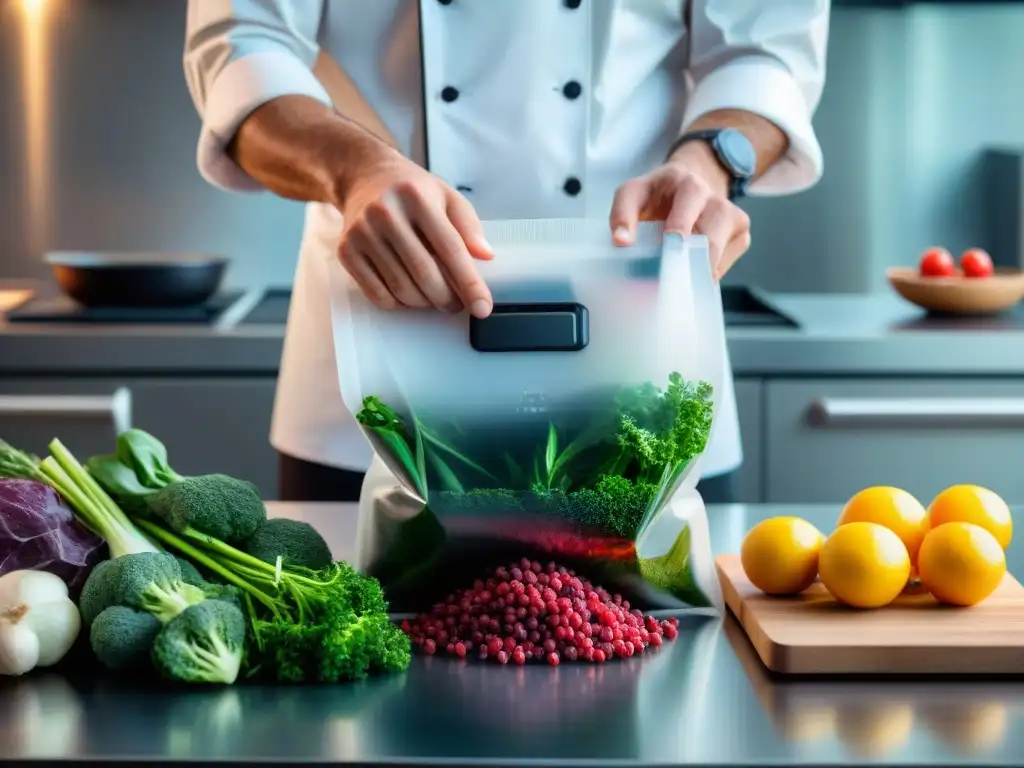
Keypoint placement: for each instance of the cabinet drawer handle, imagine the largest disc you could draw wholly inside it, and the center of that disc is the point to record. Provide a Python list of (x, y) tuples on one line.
[(918, 412), (117, 407)]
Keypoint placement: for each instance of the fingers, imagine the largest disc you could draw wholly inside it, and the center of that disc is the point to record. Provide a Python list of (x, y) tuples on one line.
[(398, 221), (406, 243), (736, 247), (727, 229), (690, 197), (451, 251), (716, 223), (687, 202), (389, 267), (358, 265), (629, 201), (467, 224), (383, 255)]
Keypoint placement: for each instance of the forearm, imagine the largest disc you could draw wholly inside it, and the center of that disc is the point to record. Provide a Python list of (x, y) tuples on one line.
[(301, 149), (769, 141)]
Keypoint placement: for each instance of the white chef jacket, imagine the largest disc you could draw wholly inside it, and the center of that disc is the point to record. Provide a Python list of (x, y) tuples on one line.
[(531, 108)]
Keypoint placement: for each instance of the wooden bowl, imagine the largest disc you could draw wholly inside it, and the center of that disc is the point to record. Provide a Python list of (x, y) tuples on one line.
[(959, 295)]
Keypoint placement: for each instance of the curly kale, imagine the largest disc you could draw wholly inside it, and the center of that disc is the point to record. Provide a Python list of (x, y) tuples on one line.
[(666, 430), (614, 507), (348, 636)]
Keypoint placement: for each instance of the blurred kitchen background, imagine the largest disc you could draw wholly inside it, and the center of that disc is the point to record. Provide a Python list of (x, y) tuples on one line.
[(97, 145), (839, 383)]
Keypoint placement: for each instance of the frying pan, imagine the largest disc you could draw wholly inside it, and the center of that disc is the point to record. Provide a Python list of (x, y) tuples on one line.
[(137, 279)]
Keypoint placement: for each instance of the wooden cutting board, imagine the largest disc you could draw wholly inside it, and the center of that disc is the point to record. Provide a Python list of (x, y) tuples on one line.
[(812, 634)]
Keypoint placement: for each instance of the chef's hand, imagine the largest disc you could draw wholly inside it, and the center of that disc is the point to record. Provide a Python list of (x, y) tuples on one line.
[(690, 193), (410, 240)]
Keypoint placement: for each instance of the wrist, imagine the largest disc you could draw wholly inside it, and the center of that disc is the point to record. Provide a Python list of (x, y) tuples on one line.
[(698, 157), (352, 158)]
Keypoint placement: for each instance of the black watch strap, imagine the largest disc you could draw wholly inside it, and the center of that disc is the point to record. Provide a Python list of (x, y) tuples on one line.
[(733, 151)]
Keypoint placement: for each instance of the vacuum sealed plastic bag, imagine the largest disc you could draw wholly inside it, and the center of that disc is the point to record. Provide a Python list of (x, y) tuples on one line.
[(568, 426)]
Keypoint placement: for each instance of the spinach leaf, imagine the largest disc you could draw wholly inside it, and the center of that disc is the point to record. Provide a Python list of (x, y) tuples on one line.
[(117, 479), (146, 457)]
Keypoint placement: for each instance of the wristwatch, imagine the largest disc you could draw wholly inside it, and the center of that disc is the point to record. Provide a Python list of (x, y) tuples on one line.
[(734, 152)]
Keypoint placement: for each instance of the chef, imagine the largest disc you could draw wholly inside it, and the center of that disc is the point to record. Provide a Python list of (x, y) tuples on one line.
[(403, 123)]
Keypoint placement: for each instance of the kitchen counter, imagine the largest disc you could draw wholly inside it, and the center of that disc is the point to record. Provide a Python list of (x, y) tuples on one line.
[(859, 335), (703, 699)]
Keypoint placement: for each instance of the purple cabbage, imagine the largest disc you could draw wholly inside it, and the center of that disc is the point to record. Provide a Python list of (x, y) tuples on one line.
[(39, 533)]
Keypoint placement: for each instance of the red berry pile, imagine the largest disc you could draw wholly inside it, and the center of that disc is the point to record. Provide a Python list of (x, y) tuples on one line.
[(529, 612)]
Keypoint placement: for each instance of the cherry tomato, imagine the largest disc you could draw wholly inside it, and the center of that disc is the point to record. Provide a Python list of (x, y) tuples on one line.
[(937, 262), (976, 263)]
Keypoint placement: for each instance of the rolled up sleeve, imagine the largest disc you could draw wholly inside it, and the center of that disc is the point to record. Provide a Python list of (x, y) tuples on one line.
[(767, 59), (240, 54)]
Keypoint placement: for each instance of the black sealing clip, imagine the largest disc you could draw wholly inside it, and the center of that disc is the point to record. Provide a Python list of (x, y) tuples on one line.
[(545, 327)]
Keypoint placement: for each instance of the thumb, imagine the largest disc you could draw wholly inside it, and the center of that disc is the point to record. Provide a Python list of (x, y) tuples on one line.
[(467, 224), (629, 200)]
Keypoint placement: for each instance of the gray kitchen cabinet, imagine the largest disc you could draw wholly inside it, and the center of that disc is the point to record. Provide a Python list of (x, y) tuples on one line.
[(208, 424), (827, 439), (749, 403)]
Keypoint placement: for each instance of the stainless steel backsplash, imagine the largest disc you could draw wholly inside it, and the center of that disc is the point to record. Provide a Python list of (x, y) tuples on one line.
[(97, 146)]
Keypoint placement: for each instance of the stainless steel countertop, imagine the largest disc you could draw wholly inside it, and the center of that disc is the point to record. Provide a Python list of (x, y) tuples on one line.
[(702, 699), (861, 335)]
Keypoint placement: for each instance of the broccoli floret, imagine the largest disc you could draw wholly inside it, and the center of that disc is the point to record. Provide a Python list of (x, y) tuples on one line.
[(126, 600), (189, 573), (223, 507), (202, 645), (212, 589), (122, 638), (96, 593), (226, 592), (298, 543), (147, 581), (152, 582)]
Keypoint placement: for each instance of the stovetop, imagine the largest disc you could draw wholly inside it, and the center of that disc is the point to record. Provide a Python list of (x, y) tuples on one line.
[(272, 309), (749, 307), (61, 309)]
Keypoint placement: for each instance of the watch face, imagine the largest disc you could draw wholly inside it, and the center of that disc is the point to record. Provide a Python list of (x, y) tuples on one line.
[(736, 150)]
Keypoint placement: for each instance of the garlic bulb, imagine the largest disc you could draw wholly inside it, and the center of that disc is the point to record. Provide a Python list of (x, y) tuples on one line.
[(38, 621)]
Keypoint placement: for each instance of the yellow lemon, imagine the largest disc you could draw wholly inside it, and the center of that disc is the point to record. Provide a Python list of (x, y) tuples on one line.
[(892, 508), (780, 555), (961, 563), (864, 565), (973, 504)]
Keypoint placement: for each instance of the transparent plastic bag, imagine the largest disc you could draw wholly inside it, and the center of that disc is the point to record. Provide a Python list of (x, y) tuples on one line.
[(568, 426)]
